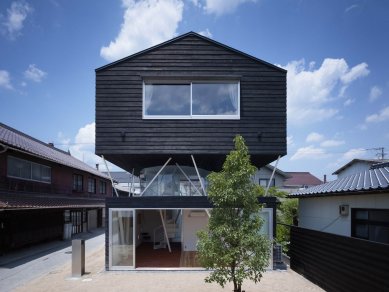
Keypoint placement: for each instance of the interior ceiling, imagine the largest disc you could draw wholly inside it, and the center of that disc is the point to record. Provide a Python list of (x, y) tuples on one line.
[(211, 162)]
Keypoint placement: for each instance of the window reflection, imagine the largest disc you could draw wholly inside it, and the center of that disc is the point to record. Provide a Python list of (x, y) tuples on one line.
[(214, 99), (192, 100), (168, 99)]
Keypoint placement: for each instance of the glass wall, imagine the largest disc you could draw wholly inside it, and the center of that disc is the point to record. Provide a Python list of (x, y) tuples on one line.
[(121, 223), (172, 181)]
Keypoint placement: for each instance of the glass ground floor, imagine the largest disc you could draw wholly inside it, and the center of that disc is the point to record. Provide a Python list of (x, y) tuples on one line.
[(159, 238)]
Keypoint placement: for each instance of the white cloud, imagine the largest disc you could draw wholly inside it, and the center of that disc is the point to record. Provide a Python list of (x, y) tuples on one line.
[(314, 137), (331, 143), (206, 33), (353, 153), (5, 79), (309, 152), (356, 72), (145, 23), (196, 3), (348, 9), (311, 91), (375, 92), (289, 140), (83, 147), (34, 73), (349, 102), (382, 116), (16, 15), (220, 7)]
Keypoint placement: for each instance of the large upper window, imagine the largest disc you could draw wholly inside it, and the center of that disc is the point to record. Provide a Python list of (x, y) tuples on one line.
[(24, 169), (216, 100)]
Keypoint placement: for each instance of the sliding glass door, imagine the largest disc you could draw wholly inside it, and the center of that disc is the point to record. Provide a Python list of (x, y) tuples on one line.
[(121, 239)]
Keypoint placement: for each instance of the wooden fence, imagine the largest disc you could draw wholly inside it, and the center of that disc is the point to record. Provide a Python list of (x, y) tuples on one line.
[(339, 263)]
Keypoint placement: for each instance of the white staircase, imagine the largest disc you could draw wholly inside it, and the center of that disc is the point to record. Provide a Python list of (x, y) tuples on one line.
[(159, 234)]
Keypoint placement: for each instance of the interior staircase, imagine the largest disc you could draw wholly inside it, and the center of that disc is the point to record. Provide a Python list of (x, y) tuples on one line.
[(159, 234)]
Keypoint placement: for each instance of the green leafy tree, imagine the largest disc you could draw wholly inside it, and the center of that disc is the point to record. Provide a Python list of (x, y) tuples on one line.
[(286, 215), (232, 246)]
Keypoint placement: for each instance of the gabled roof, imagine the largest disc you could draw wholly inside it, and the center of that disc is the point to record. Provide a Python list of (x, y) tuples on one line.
[(278, 171), (367, 161), (191, 33), (302, 179), (18, 141), (372, 180)]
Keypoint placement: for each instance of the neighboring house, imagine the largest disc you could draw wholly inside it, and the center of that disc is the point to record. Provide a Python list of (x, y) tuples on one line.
[(125, 183), (263, 177), (45, 193), (356, 205), (300, 180), (356, 166), (171, 113)]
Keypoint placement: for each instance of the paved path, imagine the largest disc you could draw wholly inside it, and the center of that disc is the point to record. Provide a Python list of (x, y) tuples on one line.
[(23, 266)]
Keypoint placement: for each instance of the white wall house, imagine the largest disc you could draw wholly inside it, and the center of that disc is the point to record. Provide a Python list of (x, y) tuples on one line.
[(356, 166), (356, 205), (263, 175)]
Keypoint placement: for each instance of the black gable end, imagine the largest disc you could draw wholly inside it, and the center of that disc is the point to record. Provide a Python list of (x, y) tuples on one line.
[(181, 37), (130, 140)]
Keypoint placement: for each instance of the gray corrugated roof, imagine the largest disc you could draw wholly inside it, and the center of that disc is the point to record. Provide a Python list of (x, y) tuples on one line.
[(20, 141), (369, 180)]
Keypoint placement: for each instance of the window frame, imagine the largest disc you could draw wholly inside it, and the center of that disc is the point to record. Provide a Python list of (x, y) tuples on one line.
[(102, 187), (76, 186), (91, 185), (190, 116), (366, 221), (31, 163)]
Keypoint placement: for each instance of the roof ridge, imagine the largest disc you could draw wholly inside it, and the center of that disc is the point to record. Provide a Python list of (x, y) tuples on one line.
[(32, 138), (190, 33)]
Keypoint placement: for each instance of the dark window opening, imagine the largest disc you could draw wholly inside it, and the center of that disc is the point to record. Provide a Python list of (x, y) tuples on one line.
[(78, 183), (91, 185), (370, 224)]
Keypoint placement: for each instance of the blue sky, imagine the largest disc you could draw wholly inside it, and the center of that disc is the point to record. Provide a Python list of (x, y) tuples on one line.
[(336, 53)]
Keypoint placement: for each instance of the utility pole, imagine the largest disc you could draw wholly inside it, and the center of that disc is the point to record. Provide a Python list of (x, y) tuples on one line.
[(381, 153)]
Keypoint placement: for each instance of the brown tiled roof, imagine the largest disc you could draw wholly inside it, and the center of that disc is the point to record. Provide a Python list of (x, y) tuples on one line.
[(17, 140), (302, 179), (13, 200)]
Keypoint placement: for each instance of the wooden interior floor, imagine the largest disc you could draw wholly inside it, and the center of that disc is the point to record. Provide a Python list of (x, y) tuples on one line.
[(147, 257)]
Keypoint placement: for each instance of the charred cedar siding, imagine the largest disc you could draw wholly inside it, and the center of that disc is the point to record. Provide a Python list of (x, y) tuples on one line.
[(119, 103)]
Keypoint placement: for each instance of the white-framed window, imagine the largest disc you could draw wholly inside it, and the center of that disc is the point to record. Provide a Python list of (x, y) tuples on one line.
[(191, 100), (27, 170)]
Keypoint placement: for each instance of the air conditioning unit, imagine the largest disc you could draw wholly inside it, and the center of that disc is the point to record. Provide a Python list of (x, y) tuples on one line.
[(343, 210)]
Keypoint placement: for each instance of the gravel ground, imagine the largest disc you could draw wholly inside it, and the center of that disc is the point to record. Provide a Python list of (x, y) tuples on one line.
[(97, 279)]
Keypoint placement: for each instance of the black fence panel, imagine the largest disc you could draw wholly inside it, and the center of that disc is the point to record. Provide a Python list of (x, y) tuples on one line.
[(339, 263)]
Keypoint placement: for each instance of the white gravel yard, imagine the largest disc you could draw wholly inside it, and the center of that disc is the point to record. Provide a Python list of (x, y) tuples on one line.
[(97, 279)]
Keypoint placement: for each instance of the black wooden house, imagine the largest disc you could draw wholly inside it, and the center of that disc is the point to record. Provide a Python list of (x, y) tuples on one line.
[(169, 114)]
